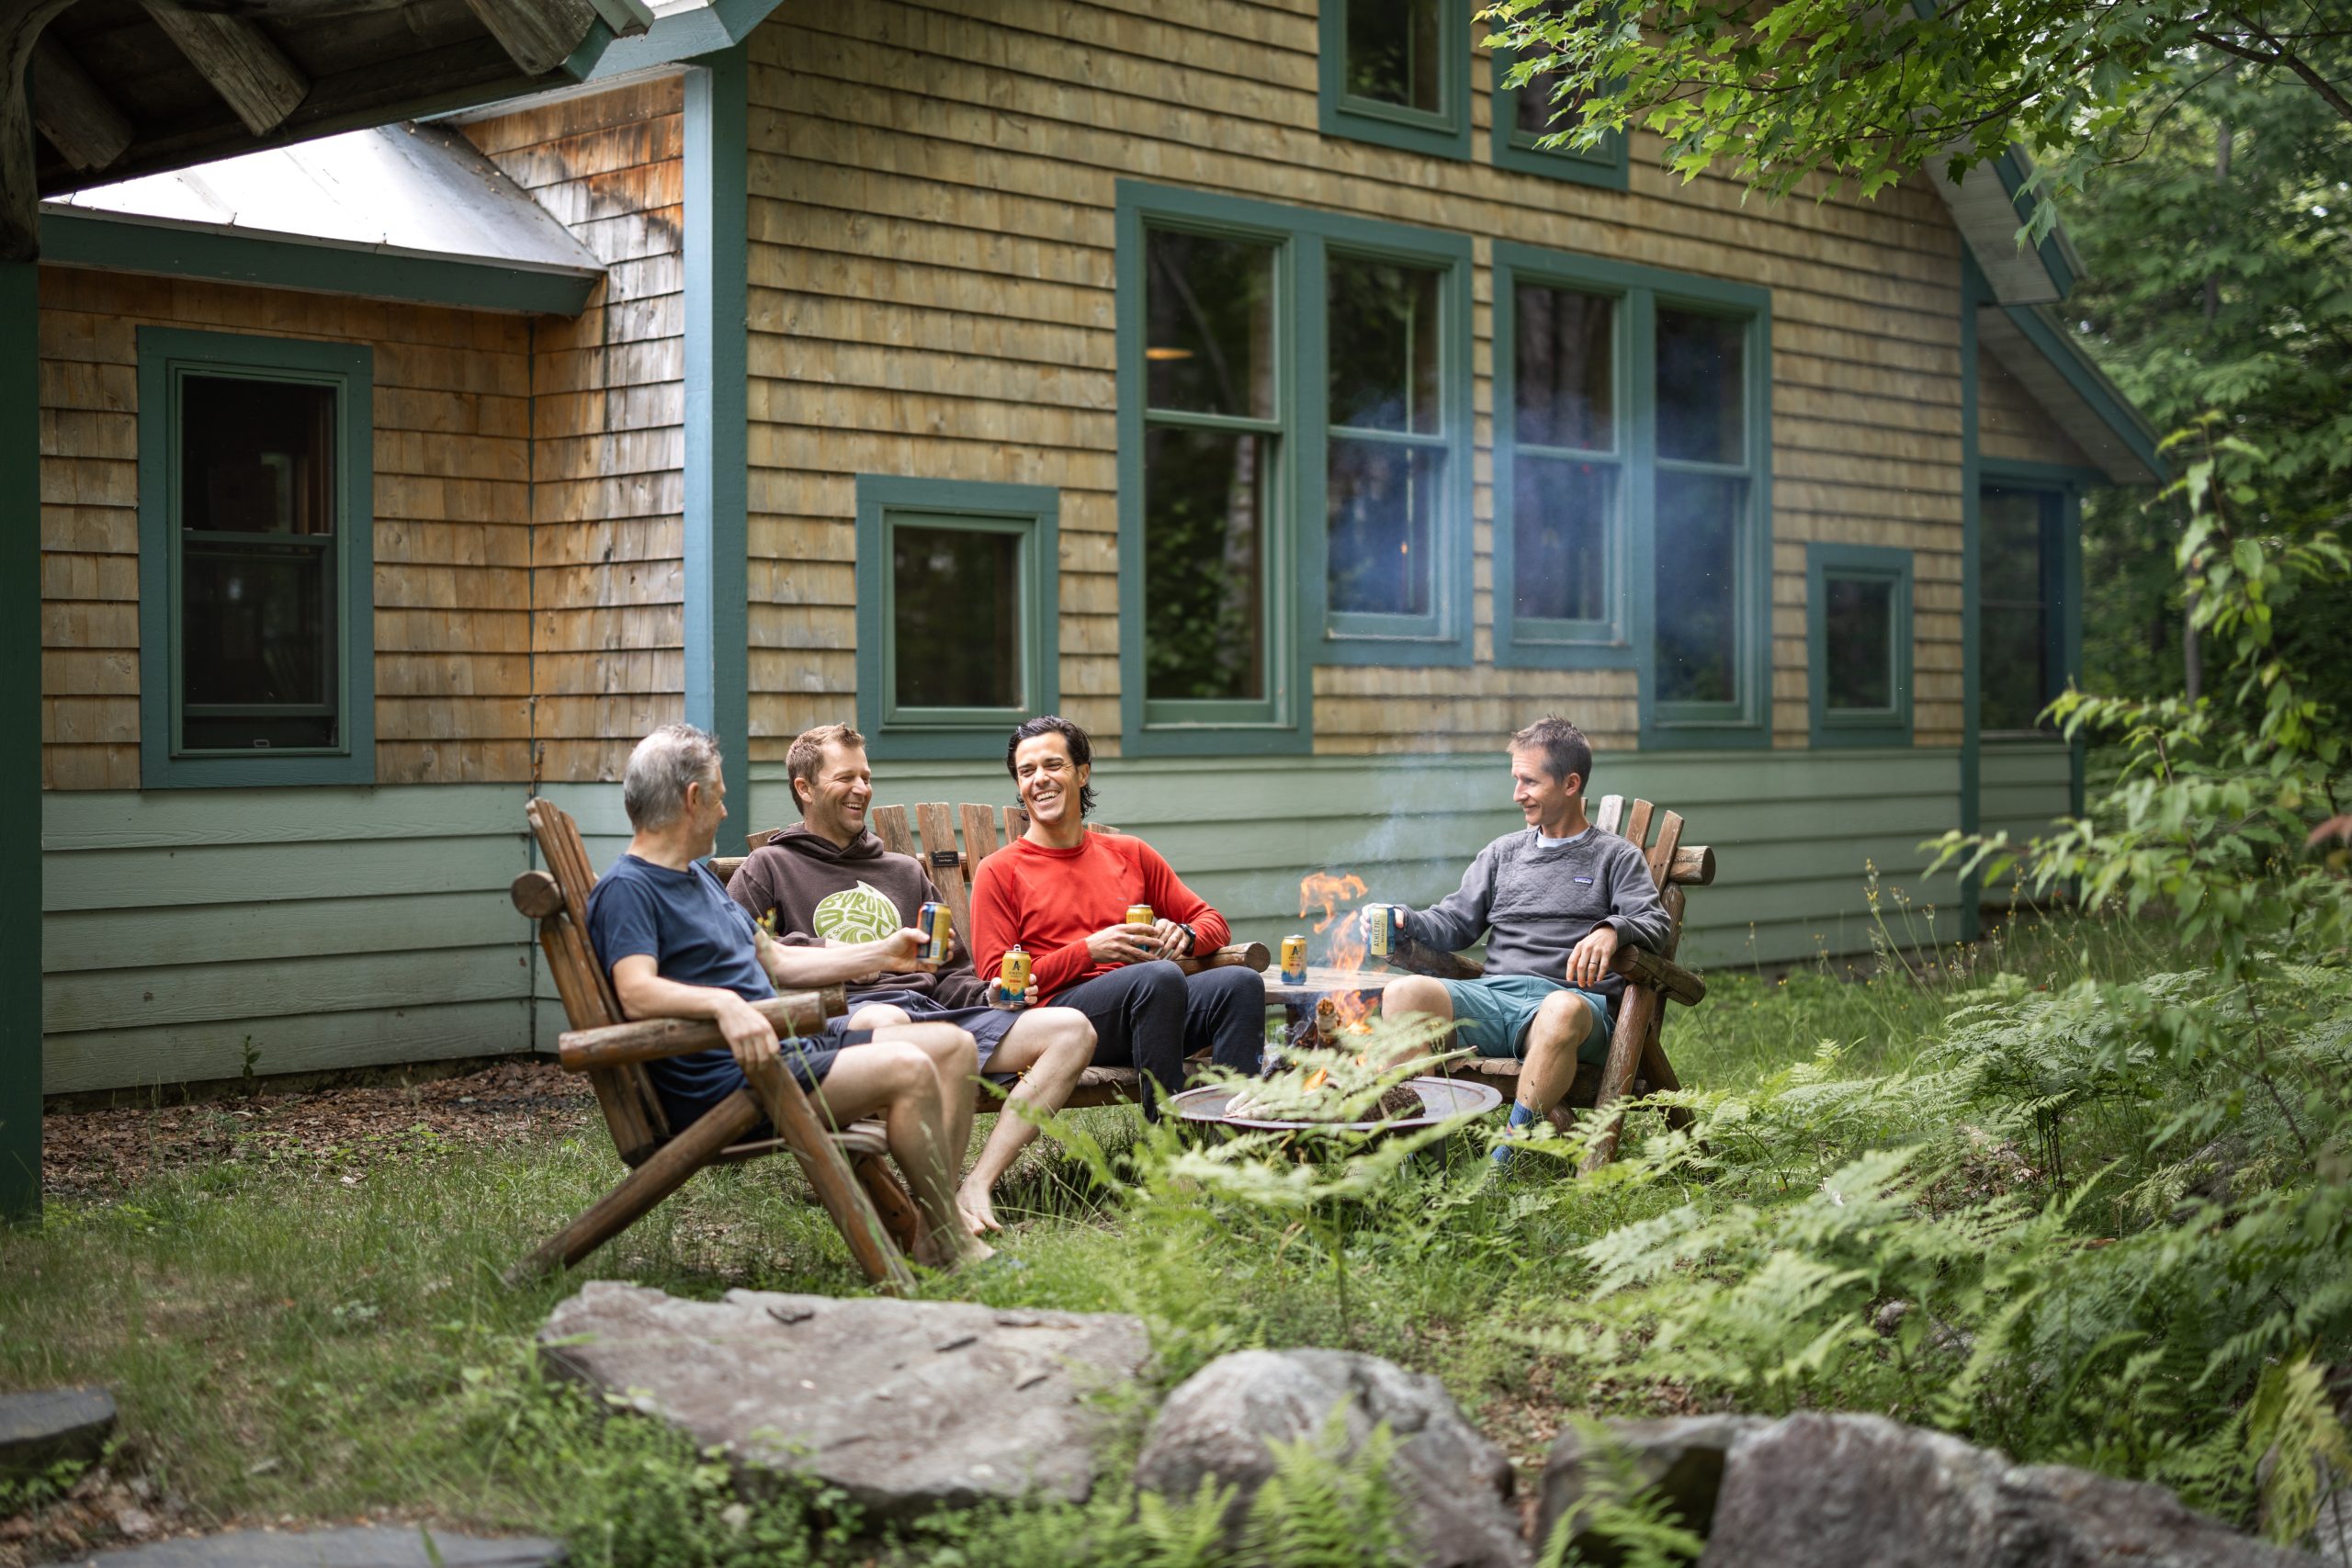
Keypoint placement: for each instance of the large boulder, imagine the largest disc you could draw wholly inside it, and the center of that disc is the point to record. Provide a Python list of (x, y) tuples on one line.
[(903, 1405), (1862, 1492), (365, 1546), (1455, 1485), (1680, 1459)]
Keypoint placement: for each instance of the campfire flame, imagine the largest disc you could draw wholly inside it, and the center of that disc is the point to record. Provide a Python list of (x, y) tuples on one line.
[(1321, 887)]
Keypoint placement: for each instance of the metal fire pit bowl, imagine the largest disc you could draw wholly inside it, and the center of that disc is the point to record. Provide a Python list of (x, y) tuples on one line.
[(1441, 1099)]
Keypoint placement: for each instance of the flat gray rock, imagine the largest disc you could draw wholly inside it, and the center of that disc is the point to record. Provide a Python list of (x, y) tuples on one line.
[(1455, 1484), (904, 1405), (40, 1427), (1680, 1458), (371, 1546), (1817, 1491)]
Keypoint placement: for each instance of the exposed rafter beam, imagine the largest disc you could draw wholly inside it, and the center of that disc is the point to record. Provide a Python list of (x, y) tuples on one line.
[(79, 120), (539, 35), (237, 58), (19, 190)]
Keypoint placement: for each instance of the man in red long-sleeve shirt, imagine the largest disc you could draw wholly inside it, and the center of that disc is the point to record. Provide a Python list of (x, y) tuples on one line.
[(1063, 893)]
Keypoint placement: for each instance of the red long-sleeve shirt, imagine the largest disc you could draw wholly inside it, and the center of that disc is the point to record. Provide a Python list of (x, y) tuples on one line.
[(1050, 901)]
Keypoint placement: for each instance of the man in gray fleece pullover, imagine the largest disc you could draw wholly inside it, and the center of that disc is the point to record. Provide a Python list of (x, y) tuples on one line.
[(1554, 901)]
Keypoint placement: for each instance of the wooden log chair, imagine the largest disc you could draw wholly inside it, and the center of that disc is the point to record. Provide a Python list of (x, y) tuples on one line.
[(952, 869), (1637, 1062), (846, 1168)]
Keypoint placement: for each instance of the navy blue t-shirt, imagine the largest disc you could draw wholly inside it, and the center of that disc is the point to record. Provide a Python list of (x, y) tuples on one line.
[(696, 935)]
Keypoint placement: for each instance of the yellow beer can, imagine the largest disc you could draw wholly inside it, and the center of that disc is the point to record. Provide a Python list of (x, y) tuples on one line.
[(1012, 976), (1294, 960), (1139, 915)]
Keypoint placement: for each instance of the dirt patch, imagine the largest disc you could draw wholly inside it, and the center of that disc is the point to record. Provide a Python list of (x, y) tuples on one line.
[(99, 1153)]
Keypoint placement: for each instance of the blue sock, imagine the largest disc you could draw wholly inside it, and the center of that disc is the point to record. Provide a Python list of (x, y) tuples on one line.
[(1520, 1117)]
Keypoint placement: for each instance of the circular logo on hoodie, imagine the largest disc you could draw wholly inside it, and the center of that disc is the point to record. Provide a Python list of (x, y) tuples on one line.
[(856, 914)]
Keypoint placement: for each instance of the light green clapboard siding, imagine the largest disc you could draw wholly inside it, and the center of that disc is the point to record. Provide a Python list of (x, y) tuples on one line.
[(1794, 833), (2027, 784), (327, 927)]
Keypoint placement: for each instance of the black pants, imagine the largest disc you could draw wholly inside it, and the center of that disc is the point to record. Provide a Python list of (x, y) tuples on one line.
[(1152, 1016)]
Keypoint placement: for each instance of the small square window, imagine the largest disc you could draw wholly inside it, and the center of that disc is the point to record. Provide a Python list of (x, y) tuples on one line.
[(1396, 72), (957, 614), (257, 624), (1857, 617), (1525, 114)]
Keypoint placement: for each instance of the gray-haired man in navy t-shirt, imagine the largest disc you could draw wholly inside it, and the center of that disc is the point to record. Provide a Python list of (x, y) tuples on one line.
[(1554, 901), (678, 947)]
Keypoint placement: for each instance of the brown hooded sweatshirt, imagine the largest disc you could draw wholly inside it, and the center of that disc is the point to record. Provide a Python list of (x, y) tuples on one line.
[(817, 889)]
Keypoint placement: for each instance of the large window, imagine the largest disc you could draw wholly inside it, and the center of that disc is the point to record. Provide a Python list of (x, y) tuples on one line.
[(256, 622), (1294, 480), (1630, 485), (1858, 644), (956, 614), (1398, 72), (2019, 650)]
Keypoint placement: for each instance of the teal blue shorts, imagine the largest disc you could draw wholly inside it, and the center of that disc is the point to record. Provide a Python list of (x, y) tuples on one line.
[(1493, 1014)]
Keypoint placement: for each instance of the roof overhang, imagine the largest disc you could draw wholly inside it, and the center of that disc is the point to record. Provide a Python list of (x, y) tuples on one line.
[(2053, 366), (682, 29), (1989, 206), (405, 213)]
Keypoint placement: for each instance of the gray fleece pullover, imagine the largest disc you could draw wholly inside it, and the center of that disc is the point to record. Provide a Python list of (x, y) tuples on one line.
[(1541, 901)]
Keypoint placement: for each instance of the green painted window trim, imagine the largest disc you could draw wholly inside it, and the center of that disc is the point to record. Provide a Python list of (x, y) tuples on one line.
[(1746, 722), (1607, 166), (1890, 726), (281, 261), (1030, 512), (1299, 630), (165, 354), (1445, 134)]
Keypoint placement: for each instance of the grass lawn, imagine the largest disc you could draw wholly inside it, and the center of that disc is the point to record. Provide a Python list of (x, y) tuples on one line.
[(309, 1333)]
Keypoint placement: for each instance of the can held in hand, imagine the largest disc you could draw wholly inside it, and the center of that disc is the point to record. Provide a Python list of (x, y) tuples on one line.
[(1012, 977), (1139, 915), (938, 928), (1382, 925), (1293, 960)]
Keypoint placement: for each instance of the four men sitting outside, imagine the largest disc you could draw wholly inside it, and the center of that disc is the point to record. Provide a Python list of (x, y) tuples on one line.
[(824, 903)]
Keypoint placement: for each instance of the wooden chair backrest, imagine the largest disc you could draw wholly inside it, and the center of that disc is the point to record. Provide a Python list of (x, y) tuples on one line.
[(633, 1111), (1634, 822)]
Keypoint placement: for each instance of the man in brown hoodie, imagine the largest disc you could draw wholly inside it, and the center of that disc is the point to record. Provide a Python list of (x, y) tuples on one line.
[(828, 880)]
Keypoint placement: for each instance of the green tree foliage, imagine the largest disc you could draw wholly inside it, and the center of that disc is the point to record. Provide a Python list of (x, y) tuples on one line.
[(2219, 275), (1775, 93)]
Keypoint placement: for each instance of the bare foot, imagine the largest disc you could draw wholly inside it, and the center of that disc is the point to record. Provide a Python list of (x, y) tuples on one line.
[(980, 1213), (948, 1259)]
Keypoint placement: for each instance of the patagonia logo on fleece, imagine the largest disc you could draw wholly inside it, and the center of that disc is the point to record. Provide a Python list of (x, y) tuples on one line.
[(1585, 880)]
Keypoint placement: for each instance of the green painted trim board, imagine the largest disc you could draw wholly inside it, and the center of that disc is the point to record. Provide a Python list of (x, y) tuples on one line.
[(20, 848), (1606, 165), (718, 550), (1030, 512), (165, 354), (1973, 291), (300, 262)]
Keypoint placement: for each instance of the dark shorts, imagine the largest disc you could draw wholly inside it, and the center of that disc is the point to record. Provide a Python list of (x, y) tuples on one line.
[(810, 1058), (988, 1026), (1493, 1014)]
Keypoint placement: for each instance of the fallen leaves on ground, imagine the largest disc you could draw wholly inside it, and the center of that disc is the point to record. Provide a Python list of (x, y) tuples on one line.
[(342, 1132)]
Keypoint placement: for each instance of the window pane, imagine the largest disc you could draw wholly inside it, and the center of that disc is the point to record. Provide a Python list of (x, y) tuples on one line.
[(1393, 53), (1563, 369), (1858, 628), (255, 624), (1560, 539), (956, 595), (1209, 325), (1380, 558), (1701, 377), (256, 456), (1205, 541), (1384, 363), (2008, 560), (2012, 652), (1697, 559)]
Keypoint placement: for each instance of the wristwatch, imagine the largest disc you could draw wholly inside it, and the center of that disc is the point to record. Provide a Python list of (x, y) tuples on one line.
[(1191, 939)]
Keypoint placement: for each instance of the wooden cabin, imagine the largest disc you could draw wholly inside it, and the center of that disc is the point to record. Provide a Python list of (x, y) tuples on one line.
[(1249, 387)]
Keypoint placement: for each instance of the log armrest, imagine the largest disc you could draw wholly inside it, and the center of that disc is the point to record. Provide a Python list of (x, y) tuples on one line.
[(655, 1039), (1239, 955)]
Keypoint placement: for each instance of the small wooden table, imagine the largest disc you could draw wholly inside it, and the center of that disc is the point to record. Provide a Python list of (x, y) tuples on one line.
[(1297, 1001)]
